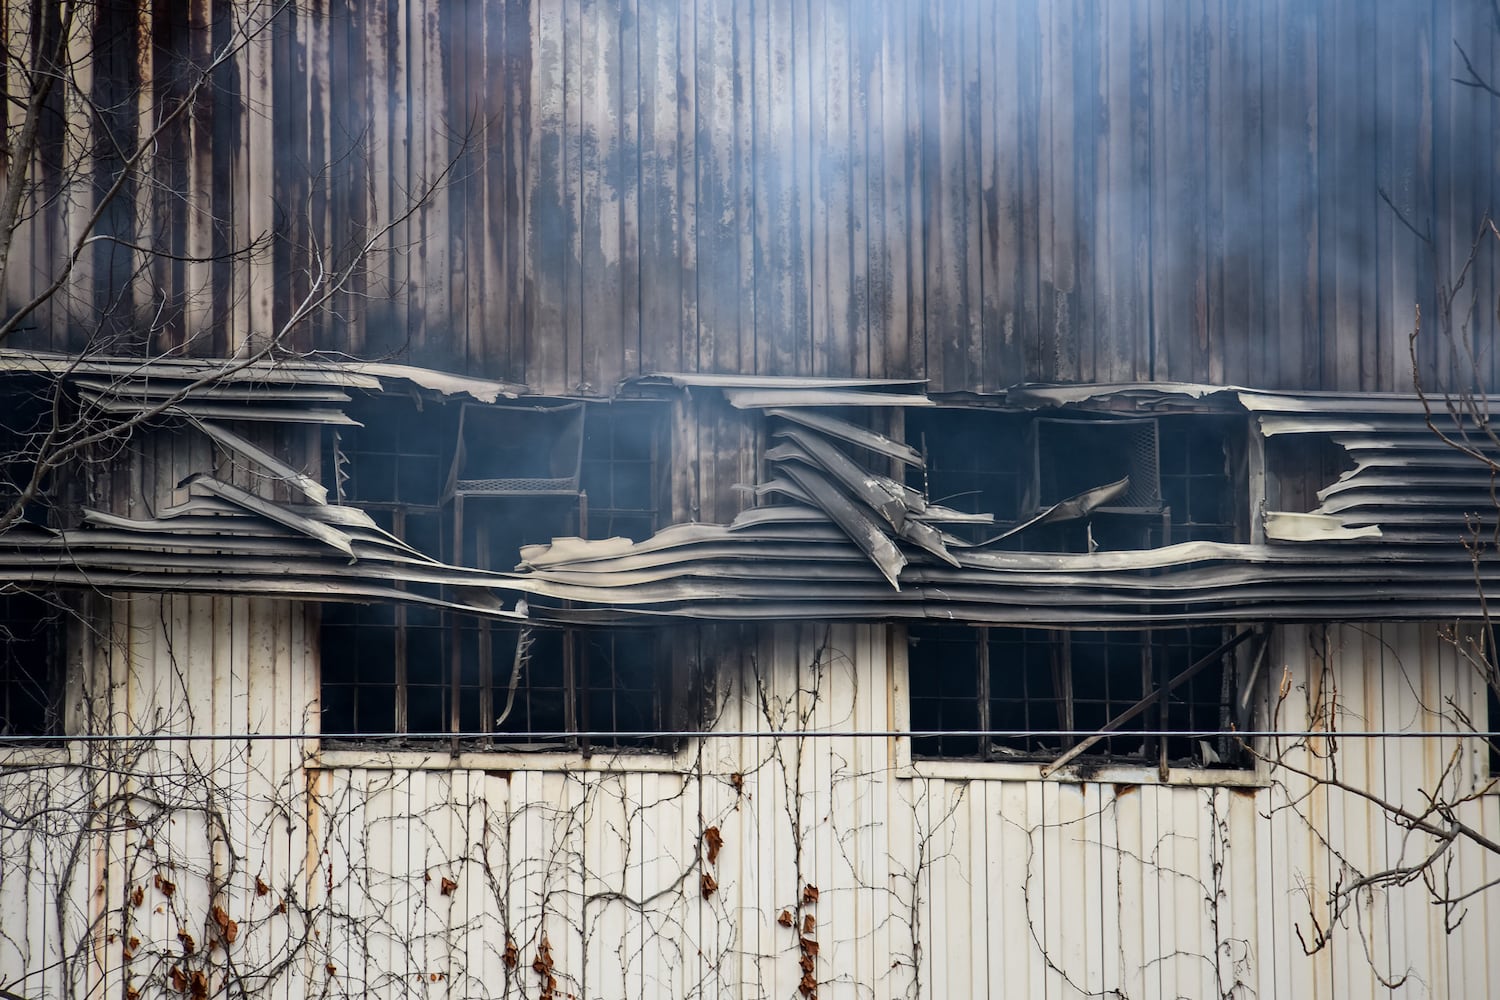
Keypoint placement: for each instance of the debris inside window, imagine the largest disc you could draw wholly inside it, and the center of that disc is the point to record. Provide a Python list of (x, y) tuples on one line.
[(1023, 694), (522, 476), (1086, 483)]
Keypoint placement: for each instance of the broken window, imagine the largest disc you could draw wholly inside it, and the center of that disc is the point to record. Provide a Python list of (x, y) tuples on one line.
[(991, 693), (1492, 716), (488, 481), (1086, 482), (1298, 466), (30, 628), (31, 625), (975, 460)]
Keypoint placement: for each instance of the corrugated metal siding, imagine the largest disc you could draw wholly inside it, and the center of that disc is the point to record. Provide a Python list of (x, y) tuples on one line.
[(929, 887), (210, 817), (980, 194)]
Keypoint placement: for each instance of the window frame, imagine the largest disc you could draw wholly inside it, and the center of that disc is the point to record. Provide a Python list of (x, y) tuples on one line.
[(47, 644), (459, 674), (912, 762), (1009, 486)]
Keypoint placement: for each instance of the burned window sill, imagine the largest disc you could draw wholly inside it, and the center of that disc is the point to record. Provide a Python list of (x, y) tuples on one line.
[(374, 757), (1109, 773), (48, 753)]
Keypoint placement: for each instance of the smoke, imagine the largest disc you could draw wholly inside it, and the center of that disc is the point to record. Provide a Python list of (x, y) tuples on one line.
[(977, 193)]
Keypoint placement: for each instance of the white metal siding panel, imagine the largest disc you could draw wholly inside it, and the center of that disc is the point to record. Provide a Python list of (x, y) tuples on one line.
[(937, 887)]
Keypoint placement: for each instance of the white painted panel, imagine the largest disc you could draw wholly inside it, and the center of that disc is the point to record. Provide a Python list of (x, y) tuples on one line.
[(930, 887)]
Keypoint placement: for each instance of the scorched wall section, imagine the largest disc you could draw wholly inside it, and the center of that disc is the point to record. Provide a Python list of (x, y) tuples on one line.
[(972, 193)]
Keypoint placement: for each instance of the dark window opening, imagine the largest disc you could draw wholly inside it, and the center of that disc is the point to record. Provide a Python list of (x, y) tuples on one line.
[(523, 476), (992, 693), (398, 458), (25, 418), (1486, 662), (1186, 473), (31, 625), (1298, 466), (1203, 477), (622, 475), (1074, 455), (976, 463), (1492, 722), (30, 633)]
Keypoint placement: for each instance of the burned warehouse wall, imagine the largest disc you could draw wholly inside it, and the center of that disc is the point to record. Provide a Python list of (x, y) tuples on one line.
[(562, 194), (542, 498)]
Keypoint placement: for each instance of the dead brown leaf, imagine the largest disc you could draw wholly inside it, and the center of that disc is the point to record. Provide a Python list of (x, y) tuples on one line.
[(715, 842)]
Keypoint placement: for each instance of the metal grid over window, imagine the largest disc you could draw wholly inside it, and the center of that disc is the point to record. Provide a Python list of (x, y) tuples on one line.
[(383, 665), (1187, 480), (1492, 717), (621, 465), (29, 631), (1074, 455), (1196, 477), (608, 681), (975, 462), (1020, 688), (424, 675)]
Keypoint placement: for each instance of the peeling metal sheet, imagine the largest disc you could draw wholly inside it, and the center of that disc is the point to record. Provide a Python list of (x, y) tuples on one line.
[(483, 390), (1144, 393), (759, 516), (849, 543), (260, 548), (144, 392), (1390, 551), (778, 568), (208, 409), (861, 528), (1274, 424), (273, 512), (1408, 484), (775, 486), (1282, 526), (1070, 509), (186, 370), (1203, 581), (687, 380), (852, 433), (752, 399), (880, 496), (1324, 404), (897, 510), (229, 440)]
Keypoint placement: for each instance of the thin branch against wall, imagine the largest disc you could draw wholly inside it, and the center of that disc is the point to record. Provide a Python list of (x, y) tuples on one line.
[(56, 56)]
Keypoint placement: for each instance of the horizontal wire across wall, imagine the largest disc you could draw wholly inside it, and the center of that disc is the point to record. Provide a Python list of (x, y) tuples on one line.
[(788, 841)]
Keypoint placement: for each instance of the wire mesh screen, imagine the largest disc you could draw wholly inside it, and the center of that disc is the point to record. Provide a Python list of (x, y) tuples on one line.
[(1077, 455), (567, 484)]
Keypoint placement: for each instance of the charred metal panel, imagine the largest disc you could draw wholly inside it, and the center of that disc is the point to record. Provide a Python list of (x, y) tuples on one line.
[(845, 540), (977, 196)]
